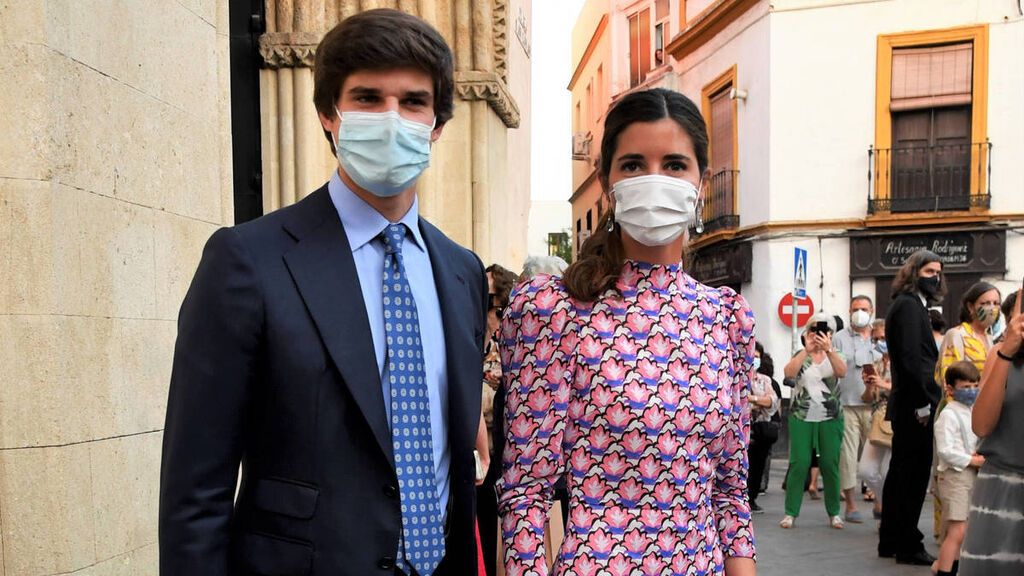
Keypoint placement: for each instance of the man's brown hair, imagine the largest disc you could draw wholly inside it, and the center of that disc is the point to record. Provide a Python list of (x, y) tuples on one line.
[(382, 39)]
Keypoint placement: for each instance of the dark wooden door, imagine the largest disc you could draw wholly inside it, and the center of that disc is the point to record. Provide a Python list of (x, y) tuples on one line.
[(931, 159)]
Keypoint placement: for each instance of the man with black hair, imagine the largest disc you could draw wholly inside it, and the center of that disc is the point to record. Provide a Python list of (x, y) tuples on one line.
[(332, 350)]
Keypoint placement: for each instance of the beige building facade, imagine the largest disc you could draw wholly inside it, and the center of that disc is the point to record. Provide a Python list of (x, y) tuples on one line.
[(115, 167), (860, 132)]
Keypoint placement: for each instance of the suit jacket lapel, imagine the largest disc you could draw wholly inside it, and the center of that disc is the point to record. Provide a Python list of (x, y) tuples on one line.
[(462, 362), (322, 267)]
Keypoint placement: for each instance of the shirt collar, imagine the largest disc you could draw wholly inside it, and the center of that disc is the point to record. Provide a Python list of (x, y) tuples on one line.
[(361, 221)]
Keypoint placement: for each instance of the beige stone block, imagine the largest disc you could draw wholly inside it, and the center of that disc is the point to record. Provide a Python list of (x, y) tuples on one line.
[(138, 398), (22, 22), (125, 492), (60, 375), (134, 563), (118, 270), (178, 247), (28, 145), (46, 510)]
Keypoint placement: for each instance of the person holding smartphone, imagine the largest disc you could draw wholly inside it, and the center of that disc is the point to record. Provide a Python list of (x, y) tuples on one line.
[(854, 343), (815, 418)]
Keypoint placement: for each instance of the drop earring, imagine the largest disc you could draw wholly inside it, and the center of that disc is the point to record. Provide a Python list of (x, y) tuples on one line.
[(611, 223), (699, 224)]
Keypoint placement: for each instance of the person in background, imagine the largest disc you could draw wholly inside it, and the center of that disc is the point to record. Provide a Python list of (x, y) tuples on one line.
[(764, 430), (630, 378), (938, 326), (969, 340), (874, 461), (854, 343), (915, 394), (994, 545), (499, 283), (815, 419), (958, 462), (533, 265)]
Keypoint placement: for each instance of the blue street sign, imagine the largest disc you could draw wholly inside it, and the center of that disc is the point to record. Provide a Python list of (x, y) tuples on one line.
[(800, 272)]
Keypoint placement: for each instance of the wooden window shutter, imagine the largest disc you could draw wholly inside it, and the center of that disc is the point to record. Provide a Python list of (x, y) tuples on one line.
[(721, 131), (931, 77)]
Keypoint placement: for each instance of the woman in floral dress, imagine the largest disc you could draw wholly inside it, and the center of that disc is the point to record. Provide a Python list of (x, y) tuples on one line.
[(630, 378)]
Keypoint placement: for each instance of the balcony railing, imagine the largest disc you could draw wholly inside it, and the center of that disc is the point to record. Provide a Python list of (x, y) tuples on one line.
[(929, 178), (720, 202)]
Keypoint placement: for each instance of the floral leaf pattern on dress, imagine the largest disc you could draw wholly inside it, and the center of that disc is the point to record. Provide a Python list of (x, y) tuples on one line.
[(639, 399)]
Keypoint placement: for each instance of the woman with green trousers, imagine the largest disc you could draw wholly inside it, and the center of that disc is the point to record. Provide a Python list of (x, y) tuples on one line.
[(815, 418)]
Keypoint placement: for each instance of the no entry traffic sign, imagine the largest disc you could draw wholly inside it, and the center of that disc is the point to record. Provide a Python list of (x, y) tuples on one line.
[(804, 310)]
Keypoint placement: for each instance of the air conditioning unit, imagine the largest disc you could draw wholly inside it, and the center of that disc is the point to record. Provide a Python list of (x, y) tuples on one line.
[(581, 146)]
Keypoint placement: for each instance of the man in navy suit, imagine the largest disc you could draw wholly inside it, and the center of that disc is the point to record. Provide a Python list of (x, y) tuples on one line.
[(332, 351)]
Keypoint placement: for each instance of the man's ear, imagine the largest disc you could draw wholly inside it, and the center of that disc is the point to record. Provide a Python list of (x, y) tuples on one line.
[(436, 132)]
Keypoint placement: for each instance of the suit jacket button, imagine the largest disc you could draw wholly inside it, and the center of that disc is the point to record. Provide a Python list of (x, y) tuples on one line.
[(386, 563), (390, 491)]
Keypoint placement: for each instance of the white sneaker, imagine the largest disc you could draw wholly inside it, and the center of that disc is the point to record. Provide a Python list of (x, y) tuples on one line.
[(786, 522), (837, 522)]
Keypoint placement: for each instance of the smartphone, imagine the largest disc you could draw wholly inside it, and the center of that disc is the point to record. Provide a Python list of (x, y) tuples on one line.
[(821, 327), (869, 370)]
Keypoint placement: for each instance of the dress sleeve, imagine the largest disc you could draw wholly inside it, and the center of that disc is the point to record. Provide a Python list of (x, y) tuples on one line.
[(537, 369), (731, 506)]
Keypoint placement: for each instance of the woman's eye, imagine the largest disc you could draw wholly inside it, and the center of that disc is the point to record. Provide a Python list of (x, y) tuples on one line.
[(630, 166), (676, 166)]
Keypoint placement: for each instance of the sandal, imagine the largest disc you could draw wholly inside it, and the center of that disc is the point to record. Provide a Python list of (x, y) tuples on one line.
[(815, 493), (787, 522), (837, 522), (869, 496)]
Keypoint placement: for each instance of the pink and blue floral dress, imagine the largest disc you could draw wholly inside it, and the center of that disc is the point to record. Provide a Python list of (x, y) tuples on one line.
[(640, 400)]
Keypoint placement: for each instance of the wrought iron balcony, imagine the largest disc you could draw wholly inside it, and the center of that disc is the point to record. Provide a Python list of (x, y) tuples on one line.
[(720, 212), (929, 178)]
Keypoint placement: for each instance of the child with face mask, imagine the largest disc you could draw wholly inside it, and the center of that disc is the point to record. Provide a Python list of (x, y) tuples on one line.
[(958, 462)]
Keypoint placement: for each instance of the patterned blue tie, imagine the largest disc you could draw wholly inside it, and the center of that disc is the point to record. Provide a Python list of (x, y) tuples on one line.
[(422, 530)]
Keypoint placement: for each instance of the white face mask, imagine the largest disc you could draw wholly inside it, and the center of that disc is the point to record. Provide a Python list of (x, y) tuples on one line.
[(860, 319), (654, 210)]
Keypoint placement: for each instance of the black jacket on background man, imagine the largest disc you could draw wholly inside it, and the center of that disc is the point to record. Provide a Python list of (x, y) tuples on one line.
[(913, 355)]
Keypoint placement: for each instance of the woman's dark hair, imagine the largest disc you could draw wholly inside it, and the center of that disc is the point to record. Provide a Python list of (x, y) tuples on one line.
[(971, 297), (1007, 307), (906, 278), (382, 39), (937, 320), (767, 364), (601, 257), (503, 280)]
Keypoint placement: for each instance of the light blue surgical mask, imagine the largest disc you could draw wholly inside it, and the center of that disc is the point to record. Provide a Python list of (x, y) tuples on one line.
[(882, 346), (965, 396), (381, 151), (757, 363)]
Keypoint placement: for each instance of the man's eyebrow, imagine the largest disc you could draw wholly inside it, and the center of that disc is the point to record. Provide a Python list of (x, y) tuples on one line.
[(363, 91), (425, 94)]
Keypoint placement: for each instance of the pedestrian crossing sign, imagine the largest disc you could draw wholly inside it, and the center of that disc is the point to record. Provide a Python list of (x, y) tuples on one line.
[(800, 272)]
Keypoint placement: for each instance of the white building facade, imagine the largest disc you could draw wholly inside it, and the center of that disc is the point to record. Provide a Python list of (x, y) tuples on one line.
[(859, 131)]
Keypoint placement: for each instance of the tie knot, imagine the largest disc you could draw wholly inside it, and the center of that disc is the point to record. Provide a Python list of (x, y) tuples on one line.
[(393, 236)]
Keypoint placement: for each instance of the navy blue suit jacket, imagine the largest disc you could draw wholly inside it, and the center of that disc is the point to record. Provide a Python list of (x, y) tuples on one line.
[(275, 375)]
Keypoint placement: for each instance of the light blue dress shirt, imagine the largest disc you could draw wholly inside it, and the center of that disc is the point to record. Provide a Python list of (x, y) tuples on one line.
[(362, 226)]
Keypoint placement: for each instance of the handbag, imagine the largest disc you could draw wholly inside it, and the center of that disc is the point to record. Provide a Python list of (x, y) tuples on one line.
[(767, 431), (881, 429)]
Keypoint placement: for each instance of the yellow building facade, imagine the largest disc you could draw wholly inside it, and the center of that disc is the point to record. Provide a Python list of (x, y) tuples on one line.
[(115, 167)]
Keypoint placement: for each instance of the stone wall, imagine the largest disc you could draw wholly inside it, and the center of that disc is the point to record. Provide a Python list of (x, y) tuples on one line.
[(114, 170)]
